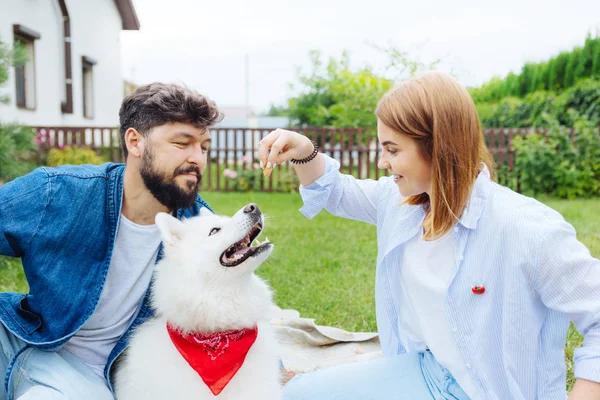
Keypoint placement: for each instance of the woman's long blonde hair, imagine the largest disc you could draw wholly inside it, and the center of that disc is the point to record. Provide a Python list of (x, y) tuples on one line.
[(434, 109)]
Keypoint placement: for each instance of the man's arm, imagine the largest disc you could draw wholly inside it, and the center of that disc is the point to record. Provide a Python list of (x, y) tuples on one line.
[(23, 202)]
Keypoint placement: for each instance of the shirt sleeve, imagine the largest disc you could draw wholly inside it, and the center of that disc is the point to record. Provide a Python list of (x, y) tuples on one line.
[(341, 195), (23, 202), (568, 280)]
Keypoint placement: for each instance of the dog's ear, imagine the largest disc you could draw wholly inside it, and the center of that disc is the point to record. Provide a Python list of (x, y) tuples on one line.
[(205, 212), (171, 229)]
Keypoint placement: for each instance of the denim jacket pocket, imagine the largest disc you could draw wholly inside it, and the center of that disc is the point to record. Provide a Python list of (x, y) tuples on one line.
[(32, 321)]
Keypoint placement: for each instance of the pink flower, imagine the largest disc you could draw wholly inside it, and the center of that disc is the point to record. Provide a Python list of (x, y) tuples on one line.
[(245, 159), (255, 165), (230, 173)]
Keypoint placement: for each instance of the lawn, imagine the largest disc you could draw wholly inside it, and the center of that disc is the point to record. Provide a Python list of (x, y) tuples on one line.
[(325, 268)]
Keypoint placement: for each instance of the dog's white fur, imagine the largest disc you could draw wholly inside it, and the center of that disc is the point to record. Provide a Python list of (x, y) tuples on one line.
[(193, 291)]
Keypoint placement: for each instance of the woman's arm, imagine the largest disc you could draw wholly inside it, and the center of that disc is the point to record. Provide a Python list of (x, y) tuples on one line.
[(567, 279), (323, 186), (585, 390)]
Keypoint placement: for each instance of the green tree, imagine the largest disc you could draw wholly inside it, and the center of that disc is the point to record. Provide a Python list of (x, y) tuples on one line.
[(561, 64), (525, 79), (551, 78), (9, 58), (573, 59), (17, 147), (335, 94), (276, 111), (595, 68), (558, 73)]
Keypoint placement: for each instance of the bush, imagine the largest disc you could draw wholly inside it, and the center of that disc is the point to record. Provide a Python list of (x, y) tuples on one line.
[(245, 180), (559, 165), (73, 155), (18, 152), (531, 111), (249, 177)]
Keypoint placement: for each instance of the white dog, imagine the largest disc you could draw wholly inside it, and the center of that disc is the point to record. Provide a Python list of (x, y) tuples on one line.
[(210, 338)]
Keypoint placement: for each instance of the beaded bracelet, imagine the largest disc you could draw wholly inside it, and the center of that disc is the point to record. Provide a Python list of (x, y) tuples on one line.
[(310, 157)]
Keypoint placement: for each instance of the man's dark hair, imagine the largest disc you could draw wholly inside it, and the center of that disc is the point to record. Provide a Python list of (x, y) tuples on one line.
[(159, 104)]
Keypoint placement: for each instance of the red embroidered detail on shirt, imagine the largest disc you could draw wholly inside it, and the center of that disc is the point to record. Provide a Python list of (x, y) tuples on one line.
[(478, 289), (216, 357)]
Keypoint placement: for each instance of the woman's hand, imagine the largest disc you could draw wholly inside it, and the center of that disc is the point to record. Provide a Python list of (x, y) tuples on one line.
[(282, 145)]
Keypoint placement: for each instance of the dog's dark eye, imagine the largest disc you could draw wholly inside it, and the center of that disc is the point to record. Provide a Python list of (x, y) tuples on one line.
[(213, 231)]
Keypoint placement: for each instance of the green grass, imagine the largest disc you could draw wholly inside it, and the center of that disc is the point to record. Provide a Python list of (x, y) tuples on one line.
[(325, 268), (12, 278)]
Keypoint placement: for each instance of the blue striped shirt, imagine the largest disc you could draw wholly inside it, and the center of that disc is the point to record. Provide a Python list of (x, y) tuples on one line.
[(537, 276)]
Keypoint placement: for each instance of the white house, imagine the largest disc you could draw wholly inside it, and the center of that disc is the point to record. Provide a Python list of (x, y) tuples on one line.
[(73, 74)]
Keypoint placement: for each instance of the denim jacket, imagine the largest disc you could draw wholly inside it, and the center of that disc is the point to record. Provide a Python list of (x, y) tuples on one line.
[(62, 222)]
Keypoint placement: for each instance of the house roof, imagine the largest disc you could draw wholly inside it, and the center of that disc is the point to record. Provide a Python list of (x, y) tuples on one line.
[(128, 15)]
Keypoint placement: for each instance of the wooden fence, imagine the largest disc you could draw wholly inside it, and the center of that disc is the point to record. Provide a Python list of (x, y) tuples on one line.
[(234, 151)]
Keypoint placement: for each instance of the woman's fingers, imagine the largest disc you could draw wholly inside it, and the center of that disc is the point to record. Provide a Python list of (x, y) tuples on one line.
[(265, 145), (279, 146)]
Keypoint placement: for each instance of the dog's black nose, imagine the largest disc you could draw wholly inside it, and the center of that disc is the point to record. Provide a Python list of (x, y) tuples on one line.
[(251, 209)]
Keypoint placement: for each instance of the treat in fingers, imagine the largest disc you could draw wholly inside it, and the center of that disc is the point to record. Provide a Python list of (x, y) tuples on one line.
[(267, 171)]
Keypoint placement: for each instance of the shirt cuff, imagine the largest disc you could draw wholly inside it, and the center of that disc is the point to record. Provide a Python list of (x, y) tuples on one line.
[(315, 195), (587, 363)]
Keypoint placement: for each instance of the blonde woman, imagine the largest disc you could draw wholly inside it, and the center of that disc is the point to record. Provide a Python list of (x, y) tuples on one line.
[(475, 284)]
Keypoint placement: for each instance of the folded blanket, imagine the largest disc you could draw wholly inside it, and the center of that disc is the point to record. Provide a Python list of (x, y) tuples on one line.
[(307, 346)]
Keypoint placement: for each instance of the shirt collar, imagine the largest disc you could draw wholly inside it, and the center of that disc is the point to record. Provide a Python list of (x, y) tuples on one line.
[(479, 194)]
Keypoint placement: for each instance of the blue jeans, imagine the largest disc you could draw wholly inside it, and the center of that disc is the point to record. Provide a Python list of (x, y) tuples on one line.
[(48, 375), (416, 376)]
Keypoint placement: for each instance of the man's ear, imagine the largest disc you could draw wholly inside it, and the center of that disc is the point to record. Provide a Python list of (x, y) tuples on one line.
[(133, 141), (171, 229), (205, 212)]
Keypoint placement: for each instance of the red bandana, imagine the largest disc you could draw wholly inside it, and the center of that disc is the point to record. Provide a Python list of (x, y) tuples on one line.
[(216, 357)]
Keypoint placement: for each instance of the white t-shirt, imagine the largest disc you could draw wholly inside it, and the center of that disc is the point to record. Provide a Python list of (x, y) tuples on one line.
[(130, 272), (427, 270)]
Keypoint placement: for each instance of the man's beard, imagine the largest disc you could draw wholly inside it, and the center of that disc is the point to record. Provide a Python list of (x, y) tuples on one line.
[(164, 188)]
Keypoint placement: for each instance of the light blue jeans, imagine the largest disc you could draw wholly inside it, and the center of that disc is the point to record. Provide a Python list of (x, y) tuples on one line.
[(47, 375), (416, 376)]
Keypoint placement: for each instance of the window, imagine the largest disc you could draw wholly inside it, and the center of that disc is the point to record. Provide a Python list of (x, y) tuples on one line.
[(87, 73), (25, 74)]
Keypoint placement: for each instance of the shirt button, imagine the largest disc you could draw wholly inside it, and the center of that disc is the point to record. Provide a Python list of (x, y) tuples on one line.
[(456, 229), (460, 257), (454, 330), (468, 366)]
